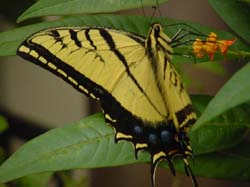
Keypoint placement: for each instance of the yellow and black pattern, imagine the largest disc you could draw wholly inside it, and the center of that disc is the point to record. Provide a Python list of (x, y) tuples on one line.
[(131, 76)]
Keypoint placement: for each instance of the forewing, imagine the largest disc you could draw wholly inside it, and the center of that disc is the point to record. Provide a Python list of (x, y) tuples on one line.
[(107, 65)]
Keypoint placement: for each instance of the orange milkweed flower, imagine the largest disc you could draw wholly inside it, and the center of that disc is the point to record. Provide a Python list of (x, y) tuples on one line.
[(211, 46)]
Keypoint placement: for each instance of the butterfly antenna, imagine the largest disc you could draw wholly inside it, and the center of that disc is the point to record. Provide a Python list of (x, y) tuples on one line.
[(153, 14), (158, 6), (143, 9), (144, 13)]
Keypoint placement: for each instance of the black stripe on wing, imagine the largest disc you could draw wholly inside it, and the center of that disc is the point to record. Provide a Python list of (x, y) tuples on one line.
[(73, 36), (69, 74), (89, 39), (110, 42), (183, 114)]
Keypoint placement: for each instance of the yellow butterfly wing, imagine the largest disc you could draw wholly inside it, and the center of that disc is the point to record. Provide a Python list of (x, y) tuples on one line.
[(76, 54)]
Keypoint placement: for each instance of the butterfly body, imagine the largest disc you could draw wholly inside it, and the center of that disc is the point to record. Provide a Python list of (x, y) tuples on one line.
[(139, 90)]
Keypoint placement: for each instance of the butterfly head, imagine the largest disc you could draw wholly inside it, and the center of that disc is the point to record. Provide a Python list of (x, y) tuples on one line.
[(158, 41), (157, 31), (157, 27)]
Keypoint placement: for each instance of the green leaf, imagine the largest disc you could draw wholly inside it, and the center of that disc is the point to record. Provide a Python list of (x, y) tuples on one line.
[(89, 143), (69, 7), (232, 164), (233, 93), (221, 147), (86, 144), (3, 124), (236, 14), (213, 138), (225, 131)]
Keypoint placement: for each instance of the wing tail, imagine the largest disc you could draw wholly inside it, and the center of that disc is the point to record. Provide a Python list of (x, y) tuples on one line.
[(190, 173), (155, 162)]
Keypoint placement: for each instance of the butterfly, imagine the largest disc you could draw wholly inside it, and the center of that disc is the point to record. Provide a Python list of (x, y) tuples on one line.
[(131, 76)]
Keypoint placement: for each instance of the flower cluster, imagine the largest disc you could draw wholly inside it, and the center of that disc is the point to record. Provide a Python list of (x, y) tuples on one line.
[(211, 45)]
